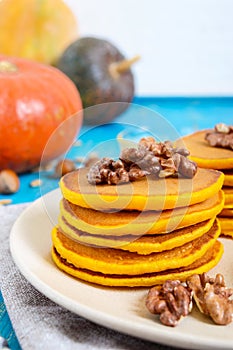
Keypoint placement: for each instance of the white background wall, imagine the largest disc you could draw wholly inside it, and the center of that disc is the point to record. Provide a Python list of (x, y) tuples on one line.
[(186, 45)]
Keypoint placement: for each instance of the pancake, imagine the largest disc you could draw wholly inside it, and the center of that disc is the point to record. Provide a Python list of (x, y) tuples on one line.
[(205, 155), (139, 223), (228, 177), (145, 194), (116, 261), (227, 206), (204, 264), (146, 244), (228, 234), (226, 224), (139, 233), (227, 212), (228, 192)]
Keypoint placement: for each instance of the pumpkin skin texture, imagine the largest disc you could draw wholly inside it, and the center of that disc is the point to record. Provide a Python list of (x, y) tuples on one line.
[(89, 63), (36, 29), (34, 100)]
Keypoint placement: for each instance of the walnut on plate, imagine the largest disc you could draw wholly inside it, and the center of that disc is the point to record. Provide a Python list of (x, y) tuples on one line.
[(212, 297), (172, 300)]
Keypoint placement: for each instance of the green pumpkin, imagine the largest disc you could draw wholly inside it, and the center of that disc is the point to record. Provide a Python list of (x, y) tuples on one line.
[(102, 75)]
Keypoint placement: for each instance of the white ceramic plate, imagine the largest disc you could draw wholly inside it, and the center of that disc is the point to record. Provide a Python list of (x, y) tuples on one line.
[(120, 309)]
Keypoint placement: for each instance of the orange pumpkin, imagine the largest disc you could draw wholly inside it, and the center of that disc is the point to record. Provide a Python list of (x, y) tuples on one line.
[(34, 100), (36, 29)]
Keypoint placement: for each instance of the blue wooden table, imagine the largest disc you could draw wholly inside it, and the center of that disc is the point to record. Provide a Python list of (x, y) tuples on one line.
[(181, 115), (184, 115)]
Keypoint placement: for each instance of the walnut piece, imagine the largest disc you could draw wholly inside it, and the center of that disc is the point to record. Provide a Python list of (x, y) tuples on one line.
[(160, 159), (212, 297), (221, 136), (108, 171), (143, 158), (9, 181), (172, 301), (223, 128)]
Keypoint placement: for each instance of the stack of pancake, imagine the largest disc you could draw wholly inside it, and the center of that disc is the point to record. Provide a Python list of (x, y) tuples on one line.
[(218, 158), (139, 233)]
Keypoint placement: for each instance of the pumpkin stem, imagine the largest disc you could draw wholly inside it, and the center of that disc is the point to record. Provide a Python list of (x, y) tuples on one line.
[(117, 68), (6, 66)]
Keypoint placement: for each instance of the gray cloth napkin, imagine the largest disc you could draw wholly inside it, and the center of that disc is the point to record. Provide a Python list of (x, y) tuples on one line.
[(41, 324)]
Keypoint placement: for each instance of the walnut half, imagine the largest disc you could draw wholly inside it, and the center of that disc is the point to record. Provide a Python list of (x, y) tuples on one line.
[(220, 136), (172, 301), (212, 297)]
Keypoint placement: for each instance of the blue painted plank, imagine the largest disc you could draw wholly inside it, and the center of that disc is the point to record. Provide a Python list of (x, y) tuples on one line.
[(163, 117)]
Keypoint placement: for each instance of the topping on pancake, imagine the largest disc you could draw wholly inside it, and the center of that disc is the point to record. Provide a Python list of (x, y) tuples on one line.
[(221, 136), (205, 155), (147, 194), (160, 159)]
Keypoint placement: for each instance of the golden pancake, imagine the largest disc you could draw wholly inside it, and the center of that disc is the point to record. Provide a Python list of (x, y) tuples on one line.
[(146, 244), (204, 264), (116, 261), (228, 177), (227, 212), (226, 224), (227, 206), (146, 194), (205, 155), (139, 223), (228, 192), (227, 233)]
